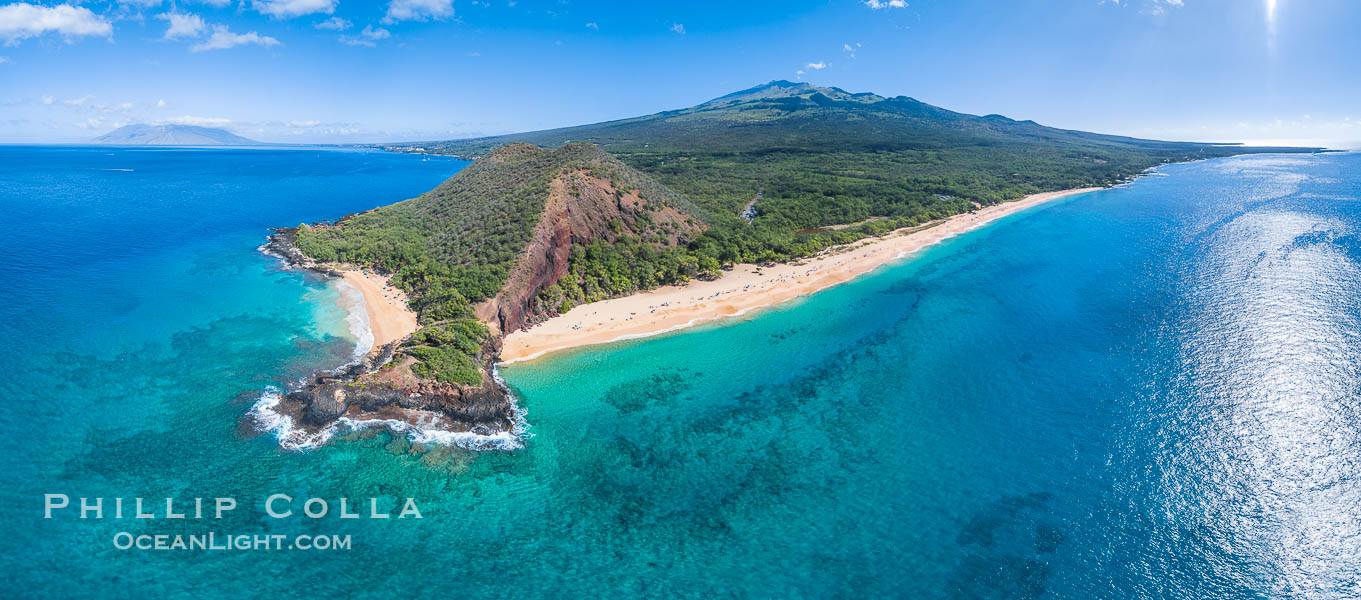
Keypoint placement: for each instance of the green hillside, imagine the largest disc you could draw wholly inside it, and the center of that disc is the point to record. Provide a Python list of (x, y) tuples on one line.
[(492, 228), (822, 156)]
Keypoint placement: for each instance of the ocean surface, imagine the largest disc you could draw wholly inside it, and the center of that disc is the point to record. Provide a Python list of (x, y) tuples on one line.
[(1152, 392)]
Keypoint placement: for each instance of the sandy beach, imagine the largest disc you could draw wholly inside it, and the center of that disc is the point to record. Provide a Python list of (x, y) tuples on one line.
[(389, 318), (744, 288)]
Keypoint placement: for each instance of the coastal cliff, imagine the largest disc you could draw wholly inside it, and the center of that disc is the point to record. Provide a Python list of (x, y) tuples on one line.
[(469, 284), (582, 208)]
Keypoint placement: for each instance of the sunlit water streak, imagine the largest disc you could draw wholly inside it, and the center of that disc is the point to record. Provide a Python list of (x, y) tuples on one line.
[(1271, 363)]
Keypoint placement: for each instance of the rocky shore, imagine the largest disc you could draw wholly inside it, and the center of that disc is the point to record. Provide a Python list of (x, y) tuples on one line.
[(381, 390)]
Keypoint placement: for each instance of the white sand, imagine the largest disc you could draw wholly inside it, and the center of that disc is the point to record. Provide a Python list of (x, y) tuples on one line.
[(744, 288), (389, 317)]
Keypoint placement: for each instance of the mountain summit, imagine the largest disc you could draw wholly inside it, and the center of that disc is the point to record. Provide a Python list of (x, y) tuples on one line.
[(787, 119), (172, 135), (796, 157), (788, 89)]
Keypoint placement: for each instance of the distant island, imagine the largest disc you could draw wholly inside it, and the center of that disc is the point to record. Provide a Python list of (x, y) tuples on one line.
[(560, 238), (172, 135)]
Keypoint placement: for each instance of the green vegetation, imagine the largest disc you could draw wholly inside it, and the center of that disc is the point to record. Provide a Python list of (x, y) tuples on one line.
[(678, 182), (600, 270), (456, 245), (452, 245), (827, 157), (448, 352)]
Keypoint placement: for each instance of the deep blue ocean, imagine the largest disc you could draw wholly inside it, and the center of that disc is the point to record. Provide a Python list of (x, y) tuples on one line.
[(1152, 391)]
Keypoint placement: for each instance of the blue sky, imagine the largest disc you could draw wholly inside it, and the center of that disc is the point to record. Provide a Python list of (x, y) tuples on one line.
[(347, 70)]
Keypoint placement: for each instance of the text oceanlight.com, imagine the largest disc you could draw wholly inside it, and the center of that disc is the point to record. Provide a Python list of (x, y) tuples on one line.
[(212, 541)]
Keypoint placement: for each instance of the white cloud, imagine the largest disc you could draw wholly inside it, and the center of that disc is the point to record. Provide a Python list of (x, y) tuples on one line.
[(196, 121), (418, 10), (304, 123), (217, 3), (817, 66), (334, 24), (76, 101), (141, 3), (160, 104), (223, 38), (284, 9), (125, 106), (1150, 7), (367, 37), (878, 4), (1160, 6), (678, 28), (4, 59), (47, 100), (184, 25), (592, 25), (21, 21)]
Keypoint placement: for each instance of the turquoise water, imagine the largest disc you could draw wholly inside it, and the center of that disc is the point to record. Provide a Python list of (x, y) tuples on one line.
[(1145, 392)]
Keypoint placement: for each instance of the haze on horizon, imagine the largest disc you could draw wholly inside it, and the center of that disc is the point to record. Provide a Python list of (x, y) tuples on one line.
[(336, 71)]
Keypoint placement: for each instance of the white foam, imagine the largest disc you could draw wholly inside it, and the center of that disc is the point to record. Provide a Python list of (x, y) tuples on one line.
[(282, 426), (428, 430), (357, 319)]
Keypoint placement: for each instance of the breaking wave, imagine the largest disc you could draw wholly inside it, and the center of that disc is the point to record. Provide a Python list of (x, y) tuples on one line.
[(425, 430)]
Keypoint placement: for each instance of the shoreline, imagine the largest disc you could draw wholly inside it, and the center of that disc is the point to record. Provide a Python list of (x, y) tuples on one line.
[(744, 288), (384, 310), (386, 316), (361, 395)]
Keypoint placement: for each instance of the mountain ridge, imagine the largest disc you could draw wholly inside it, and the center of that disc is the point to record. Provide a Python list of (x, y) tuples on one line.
[(825, 157), (780, 95)]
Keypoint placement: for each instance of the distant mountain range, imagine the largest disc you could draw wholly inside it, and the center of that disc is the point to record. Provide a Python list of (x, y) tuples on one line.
[(785, 118), (821, 156), (172, 135)]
